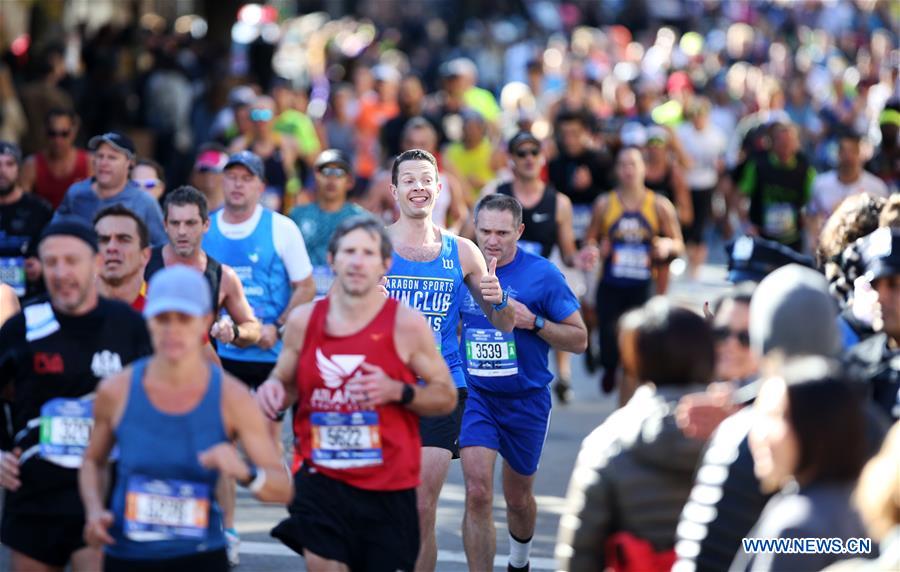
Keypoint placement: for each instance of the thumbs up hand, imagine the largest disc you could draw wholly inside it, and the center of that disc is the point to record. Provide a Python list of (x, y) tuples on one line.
[(491, 291)]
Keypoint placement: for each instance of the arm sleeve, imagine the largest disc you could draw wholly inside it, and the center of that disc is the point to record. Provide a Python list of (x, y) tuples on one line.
[(583, 528), (291, 248), (559, 301)]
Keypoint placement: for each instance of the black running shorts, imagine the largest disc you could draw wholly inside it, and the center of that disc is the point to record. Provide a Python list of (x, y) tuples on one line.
[(366, 530)]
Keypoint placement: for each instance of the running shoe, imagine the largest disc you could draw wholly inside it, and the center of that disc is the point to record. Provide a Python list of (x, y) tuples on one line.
[(234, 547)]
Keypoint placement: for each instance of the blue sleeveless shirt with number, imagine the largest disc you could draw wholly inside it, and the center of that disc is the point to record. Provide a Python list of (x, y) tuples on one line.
[(433, 288), (630, 233), (263, 275), (164, 503)]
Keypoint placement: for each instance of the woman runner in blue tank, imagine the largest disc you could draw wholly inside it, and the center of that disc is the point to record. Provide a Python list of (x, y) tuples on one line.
[(428, 270), (172, 417)]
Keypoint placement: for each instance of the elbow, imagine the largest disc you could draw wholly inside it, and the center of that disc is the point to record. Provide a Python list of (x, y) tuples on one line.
[(580, 344), (449, 399)]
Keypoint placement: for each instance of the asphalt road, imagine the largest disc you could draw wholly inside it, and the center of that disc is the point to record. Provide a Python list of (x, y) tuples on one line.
[(569, 425)]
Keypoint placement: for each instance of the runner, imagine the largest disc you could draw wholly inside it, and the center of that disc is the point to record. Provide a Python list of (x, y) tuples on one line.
[(350, 362), (317, 220), (428, 271), (124, 250), (508, 409), (634, 227), (547, 215), (162, 515), (268, 254), (54, 353), (23, 216), (187, 219)]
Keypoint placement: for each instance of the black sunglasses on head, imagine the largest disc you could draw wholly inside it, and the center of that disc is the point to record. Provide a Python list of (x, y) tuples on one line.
[(333, 171)]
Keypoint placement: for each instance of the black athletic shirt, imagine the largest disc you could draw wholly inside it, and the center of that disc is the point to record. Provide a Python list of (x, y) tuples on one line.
[(21, 224), (213, 272), (541, 229), (47, 355)]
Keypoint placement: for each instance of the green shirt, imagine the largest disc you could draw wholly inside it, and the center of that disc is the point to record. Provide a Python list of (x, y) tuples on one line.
[(317, 226), (293, 122)]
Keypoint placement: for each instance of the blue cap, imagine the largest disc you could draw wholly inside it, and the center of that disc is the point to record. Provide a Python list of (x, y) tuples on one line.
[(11, 149), (178, 288), (248, 160), (881, 253), (115, 140)]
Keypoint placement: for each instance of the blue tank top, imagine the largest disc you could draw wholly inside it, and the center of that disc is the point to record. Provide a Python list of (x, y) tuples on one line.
[(164, 501), (433, 288), (263, 275)]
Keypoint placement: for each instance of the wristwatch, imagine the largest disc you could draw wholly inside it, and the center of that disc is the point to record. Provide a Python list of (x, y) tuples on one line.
[(503, 303), (235, 330), (538, 324), (409, 393)]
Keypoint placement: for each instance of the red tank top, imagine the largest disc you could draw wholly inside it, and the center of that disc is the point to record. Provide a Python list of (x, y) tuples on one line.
[(52, 189), (374, 449)]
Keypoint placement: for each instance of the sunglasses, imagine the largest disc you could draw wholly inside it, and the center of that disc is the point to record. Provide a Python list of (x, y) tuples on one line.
[(148, 183), (722, 334), (332, 171), (53, 134), (525, 153), (260, 115)]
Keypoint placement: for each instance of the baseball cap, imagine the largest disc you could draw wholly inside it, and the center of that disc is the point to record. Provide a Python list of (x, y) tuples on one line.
[(333, 157), (116, 140), (211, 160), (751, 258), (10, 148), (880, 253), (241, 95), (459, 67), (520, 138), (633, 134), (250, 161), (657, 133), (71, 226), (178, 288)]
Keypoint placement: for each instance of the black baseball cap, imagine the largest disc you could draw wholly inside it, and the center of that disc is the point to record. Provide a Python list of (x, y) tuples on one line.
[(751, 258), (10, 148), (881, 253), (117, 140), (71, 226), (333, 157), (522, 137), (248, 160)]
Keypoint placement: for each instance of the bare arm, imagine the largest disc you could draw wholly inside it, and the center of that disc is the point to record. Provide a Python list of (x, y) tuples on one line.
[(570, 335), (303, 291), (565, 234), (484, 286), (280, 391), (92, 478), (239, 309), (438, 395), (28, 174), (671, 242)]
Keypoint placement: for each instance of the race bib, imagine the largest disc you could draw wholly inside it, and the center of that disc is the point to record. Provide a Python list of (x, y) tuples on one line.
[(66, 426), (581, 220), (165, 509), (491, 353), (779, 220), (346, 440), (323, 277), (12, 273), (530, 247), (631, 261)]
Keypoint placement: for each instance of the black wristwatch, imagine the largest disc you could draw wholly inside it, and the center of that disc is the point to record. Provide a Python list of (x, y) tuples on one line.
[(236, 331), (409, 393), (539, 323)]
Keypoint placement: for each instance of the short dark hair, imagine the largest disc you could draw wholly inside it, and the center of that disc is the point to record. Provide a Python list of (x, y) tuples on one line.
[(827, 415), (61, 112), (853, 218), (153, 164), (186, 195), (412, 155), (498, 202), (674, 345), (568, 114), (367, 223), (122, 210), (741, 293)]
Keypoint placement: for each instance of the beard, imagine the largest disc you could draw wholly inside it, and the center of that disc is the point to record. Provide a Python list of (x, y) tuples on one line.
[(7, 189)]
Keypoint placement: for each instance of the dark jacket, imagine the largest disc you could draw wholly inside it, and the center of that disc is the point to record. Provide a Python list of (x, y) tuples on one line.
[(633, 474), (879, 366)]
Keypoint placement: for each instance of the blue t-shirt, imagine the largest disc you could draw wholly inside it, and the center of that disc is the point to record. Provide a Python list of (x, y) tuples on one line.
[(81, 201), (515, 362)]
